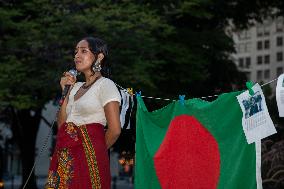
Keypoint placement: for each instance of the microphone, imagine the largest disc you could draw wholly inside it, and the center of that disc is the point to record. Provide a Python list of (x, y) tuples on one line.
[(74, 73)]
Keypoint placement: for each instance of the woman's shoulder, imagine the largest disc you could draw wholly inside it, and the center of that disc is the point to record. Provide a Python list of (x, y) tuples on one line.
[(107, 82), (108, 91)]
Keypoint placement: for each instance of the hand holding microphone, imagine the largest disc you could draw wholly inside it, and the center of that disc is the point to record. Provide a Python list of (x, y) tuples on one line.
[(68, 80)]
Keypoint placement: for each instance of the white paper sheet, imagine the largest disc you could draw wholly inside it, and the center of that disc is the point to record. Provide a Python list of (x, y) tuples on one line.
[(256, 120), (280, 95)]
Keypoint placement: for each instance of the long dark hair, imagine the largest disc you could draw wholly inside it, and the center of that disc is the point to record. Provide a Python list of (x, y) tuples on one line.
[(97, 45)]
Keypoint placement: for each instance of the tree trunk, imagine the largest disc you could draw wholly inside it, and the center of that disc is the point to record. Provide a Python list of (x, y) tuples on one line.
[(26, 125)]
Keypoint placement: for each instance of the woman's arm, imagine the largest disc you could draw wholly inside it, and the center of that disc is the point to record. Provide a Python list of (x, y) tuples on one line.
[(112, 116), (67, 79), (62, 116)]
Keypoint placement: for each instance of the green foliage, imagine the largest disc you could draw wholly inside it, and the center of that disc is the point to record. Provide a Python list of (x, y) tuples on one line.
[(39, 37), (160, 47)]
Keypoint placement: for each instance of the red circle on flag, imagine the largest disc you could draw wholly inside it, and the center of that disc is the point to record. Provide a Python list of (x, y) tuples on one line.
[(188, 157)]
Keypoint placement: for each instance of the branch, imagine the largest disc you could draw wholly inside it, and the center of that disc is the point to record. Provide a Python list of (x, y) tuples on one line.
[(277, 173)]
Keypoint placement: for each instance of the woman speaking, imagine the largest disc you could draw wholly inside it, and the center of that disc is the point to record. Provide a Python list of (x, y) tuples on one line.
[(80, 158)]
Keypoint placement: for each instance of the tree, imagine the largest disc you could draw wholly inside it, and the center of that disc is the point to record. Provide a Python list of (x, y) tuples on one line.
[(37, 43)]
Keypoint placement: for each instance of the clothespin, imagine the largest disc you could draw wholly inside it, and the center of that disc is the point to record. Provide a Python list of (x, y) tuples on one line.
[(181, 99), (138, 93), (249, 85), (130, 91)]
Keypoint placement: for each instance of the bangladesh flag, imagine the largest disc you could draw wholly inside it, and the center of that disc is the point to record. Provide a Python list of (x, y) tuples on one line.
[(198, 145)]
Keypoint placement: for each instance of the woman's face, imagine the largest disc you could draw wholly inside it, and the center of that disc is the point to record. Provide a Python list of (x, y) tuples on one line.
[(83, 56)]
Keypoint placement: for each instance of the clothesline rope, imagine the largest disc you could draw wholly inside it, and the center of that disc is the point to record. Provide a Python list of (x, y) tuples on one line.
[(204, 97), (268, 82)]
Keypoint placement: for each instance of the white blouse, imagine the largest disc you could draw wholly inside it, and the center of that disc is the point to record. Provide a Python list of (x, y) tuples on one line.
[(89, 108)]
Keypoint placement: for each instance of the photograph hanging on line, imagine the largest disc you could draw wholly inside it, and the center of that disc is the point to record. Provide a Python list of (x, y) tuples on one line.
[(253, 105)]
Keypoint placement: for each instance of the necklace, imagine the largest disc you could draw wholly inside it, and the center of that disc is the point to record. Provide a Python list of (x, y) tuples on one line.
[(84, 86)]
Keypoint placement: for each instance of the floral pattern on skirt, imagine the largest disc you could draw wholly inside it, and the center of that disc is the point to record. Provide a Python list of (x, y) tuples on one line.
[(80, 159)]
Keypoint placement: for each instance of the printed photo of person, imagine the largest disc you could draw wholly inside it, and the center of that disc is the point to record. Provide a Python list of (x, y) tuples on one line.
[(246, 105), (252, 105)]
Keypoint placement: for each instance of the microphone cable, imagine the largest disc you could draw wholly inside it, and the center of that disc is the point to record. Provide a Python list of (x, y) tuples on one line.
[(65, 91), (43, 148)]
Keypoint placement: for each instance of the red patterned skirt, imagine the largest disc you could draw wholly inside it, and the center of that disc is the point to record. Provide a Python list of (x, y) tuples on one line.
[(80, 159)]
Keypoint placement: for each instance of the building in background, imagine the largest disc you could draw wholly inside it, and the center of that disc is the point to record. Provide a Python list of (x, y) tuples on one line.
[(260, 51)]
